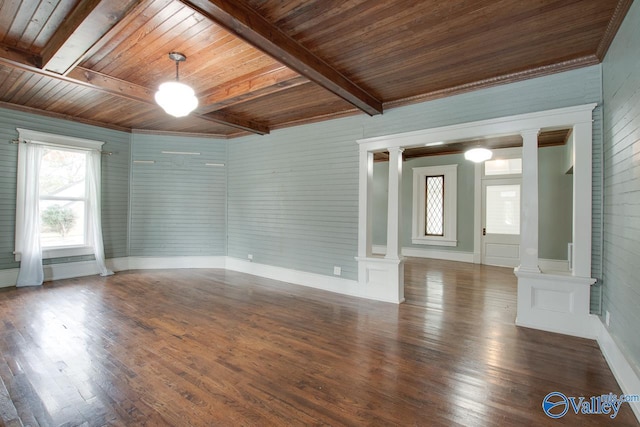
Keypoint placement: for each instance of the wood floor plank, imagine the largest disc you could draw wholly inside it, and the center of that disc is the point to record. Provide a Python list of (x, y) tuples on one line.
[(214, 347)]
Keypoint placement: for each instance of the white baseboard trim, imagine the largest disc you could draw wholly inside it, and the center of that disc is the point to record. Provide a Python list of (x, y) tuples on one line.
[(624, 373), (70, 270), (8, 278), (154, 263), (428, 253), (302, 278), (546, 265)]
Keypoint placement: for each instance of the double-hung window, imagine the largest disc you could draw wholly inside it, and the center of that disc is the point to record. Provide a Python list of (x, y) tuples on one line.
[(435, 205), (63, 194)]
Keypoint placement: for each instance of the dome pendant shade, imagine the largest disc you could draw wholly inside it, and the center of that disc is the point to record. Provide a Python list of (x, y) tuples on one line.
[(478, 155), (177, 99)]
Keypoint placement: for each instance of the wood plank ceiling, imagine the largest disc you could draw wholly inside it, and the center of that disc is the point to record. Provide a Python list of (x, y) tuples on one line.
[(258, 65)]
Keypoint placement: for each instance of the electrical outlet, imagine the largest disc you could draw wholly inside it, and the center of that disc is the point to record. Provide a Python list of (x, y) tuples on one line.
[(607, 317), (250, 257), (337, 270)]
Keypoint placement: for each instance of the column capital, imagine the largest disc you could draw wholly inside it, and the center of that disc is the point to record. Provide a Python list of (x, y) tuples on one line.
[(530, 132), (395, 149)]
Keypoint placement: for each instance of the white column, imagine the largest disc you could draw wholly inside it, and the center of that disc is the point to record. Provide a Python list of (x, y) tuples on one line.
[(529, 208), (582, 141), (365, 203), (394, 205)]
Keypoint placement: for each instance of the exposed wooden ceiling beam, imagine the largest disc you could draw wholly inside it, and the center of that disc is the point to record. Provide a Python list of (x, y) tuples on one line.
[(113, 86), (85, 26), (135, 92), (249, 25), (238, 122), (246, 88)]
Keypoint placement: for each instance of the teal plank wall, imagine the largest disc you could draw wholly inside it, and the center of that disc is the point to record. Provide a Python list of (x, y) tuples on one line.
[(293, 197), (621, 89), (115, 179), (289, 198), (293, 194), (178, 203)]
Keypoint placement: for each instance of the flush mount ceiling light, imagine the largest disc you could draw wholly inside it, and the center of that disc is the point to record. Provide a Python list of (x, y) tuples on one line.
[(478, 155), (176, 98)]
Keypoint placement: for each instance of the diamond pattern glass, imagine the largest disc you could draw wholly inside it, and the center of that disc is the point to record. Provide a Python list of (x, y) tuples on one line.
[(434, 206)]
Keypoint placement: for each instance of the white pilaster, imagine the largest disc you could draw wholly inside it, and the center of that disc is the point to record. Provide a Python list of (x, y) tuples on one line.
[(394, 205), (529, 209), (582, 154), (364, 203)]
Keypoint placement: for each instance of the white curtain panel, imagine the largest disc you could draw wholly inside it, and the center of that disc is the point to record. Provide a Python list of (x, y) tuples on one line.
[(95, 215), (31, 273)]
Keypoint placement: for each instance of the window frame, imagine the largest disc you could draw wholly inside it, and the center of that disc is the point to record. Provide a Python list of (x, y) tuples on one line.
[(60, 142), (450, 214), (504, 154)]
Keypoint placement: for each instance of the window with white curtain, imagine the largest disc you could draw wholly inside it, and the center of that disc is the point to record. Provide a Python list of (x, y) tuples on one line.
[(435, 205), (58, 200)]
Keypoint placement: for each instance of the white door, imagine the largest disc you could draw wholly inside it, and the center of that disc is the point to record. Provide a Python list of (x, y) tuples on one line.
[(501, 222)]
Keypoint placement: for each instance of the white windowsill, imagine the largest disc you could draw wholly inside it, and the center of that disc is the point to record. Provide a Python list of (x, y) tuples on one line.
[(62, 252)]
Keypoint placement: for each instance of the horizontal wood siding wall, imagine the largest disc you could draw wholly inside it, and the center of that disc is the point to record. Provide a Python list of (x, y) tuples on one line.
[(293, 194), (115, 179), (178, 203), (597, 257), (621, 87), (293, 197)]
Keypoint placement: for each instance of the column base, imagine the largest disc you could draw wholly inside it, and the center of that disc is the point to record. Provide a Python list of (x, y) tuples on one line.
[(555, 303), (381, 278)]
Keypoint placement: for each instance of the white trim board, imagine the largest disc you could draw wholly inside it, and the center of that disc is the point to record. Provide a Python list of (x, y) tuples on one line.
[(547, 265), (302, 278), (158, 263), (70, 270), (428, 253), (623, 372), (506, 125)]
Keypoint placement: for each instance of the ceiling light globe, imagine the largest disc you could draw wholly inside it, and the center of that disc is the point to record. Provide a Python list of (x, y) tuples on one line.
[(478, 155), (176, 98)]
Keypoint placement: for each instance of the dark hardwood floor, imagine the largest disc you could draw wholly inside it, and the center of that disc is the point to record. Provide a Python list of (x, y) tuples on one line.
[(216, 348)]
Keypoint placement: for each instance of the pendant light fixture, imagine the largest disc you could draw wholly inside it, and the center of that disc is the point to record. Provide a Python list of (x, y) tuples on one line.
[(176, 98), (478, 155)]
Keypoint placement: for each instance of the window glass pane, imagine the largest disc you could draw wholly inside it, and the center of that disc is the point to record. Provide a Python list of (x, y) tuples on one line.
[(62, 173), (503, 167), (62, 223), (502, 210), (434, 209)]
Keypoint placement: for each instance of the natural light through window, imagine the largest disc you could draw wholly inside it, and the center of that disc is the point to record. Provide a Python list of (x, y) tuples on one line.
[(503, 167), (63, 198), (503, 209), (434, 215), (435, 205)]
